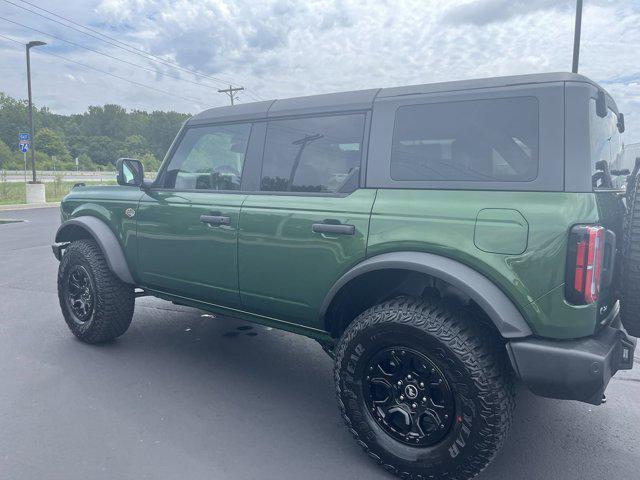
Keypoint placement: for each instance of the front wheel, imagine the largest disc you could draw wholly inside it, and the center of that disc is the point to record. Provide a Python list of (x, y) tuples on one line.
[(96, 304), (425, 389)]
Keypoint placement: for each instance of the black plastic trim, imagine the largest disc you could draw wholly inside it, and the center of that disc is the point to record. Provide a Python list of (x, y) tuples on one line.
[(500, 309), (215, 219), (573, 369), (106, 240), (334, 229)]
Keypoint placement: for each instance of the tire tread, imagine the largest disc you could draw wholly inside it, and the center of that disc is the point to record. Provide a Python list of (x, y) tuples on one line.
[(630, 265), (474, 345), (115, 300)]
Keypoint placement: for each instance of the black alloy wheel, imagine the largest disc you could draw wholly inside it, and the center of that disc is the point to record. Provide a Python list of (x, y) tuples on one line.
[(80, 294), (409, 396)]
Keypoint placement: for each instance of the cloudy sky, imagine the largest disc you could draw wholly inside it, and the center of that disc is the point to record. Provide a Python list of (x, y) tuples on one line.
[(283, 48)]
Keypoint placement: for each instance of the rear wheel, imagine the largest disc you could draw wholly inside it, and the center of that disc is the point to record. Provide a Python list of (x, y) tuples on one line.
[(424, 388), (96, 304), (630, 266)]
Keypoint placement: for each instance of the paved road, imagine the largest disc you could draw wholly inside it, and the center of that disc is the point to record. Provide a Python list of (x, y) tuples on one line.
[(183, 396)]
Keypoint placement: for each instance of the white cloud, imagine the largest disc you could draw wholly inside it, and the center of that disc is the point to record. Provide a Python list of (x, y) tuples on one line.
[(283, 48)]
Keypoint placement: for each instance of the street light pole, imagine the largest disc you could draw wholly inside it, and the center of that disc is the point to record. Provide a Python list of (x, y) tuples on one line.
[(576, 36), (31, 129)]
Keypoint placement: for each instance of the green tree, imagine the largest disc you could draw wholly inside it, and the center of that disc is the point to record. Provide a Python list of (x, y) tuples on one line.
[(160, 130), (101, 134), (102, 150), (150, 162), (52, 143), (134, 146), (13, 119), (6, 156), (85, 163), (109, 121)]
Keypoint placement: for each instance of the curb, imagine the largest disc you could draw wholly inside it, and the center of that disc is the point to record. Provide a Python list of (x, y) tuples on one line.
[(28, 206)]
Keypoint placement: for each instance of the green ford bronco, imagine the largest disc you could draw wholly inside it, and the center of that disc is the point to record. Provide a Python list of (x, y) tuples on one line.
[(441, 242)]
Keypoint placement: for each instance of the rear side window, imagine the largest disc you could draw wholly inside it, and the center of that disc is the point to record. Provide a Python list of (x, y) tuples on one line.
[(209, 158), (606, 143), (313, 154), (477, 140)]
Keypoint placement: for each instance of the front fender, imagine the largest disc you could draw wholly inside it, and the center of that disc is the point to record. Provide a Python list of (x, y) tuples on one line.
[(95, 228)]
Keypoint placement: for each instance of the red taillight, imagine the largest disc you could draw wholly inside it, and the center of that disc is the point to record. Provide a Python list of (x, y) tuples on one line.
[(584, 269)]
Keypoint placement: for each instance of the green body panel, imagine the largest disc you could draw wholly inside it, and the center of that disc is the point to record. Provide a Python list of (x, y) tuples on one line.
[(443, 222), (556, 318), (285, 268), (501, 230), (179, 253), (108, 203), (269, 267)]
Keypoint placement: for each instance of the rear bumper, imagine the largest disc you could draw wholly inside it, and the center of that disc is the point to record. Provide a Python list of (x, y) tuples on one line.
[(573, 369)]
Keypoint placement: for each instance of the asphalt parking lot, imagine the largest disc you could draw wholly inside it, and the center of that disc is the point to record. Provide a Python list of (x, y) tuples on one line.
[(185, 396)]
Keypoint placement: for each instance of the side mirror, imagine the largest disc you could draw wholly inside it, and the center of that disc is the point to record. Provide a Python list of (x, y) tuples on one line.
[(130, 172)]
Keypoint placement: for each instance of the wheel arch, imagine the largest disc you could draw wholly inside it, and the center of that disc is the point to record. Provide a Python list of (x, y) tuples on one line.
[(88, 227), (499, 308)]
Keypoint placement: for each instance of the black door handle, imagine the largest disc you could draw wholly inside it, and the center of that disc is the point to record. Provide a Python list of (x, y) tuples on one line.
[(333, 228), (215, 220)]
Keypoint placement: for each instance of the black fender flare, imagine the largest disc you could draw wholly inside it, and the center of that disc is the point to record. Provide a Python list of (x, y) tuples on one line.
[(104, 237), (500, 309)]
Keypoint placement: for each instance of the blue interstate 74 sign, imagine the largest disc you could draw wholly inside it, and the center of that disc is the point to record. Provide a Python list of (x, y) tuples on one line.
[(25, 141)]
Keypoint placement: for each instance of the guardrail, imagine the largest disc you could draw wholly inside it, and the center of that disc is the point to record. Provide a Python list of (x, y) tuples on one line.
[(62, 172), (64, 175)]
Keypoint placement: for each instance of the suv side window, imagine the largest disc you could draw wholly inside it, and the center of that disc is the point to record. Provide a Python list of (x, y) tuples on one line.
[(606, 142), (209, 158), (313, 154), (474, 140)]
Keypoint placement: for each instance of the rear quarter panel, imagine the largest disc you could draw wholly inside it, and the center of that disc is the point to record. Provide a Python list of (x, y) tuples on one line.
[(443, 222)]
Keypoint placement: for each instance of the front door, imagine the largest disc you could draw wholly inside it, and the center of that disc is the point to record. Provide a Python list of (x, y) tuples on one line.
[(309, 223), (188, 223)]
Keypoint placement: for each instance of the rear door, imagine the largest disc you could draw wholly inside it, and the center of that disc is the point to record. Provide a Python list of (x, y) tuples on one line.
[(188, 223), (308, 224)]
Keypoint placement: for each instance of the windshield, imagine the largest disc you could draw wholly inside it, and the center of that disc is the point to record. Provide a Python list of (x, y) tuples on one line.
[(606, 142)]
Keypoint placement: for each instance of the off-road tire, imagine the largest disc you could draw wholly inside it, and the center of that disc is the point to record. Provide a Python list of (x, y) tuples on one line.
[(630, 265), (472, 359), (114, 299)]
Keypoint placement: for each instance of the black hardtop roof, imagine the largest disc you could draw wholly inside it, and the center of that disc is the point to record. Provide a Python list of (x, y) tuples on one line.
[(363, 99)]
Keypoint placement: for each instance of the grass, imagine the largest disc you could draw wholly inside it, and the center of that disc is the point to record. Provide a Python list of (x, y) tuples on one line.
[(15, 192)]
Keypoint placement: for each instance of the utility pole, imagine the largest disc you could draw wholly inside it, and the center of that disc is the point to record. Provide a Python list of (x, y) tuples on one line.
[(576, 37), (31, 130), (232, 92)]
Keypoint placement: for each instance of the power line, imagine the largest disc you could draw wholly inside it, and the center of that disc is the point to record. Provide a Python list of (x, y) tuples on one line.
[(152, 70), (12, 40), (114, 42), (112, 38), (149, 87)]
